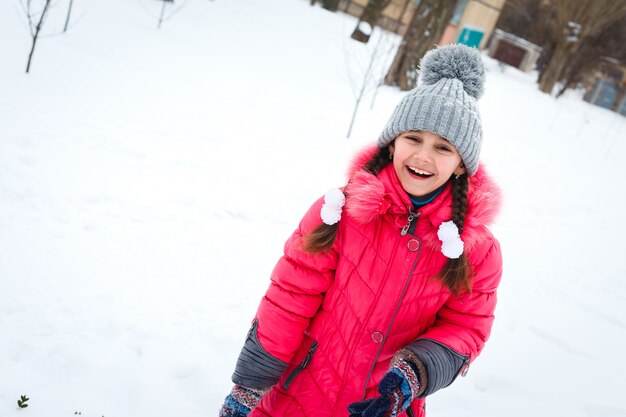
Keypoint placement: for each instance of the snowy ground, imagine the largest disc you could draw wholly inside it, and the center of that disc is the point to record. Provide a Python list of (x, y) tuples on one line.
[(148, 180)]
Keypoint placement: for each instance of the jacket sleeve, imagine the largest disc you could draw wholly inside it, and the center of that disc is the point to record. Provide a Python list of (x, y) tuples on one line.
[(463, 324), (298, 283)]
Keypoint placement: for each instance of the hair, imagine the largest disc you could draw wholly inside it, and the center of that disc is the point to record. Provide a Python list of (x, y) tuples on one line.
[(456, 275), (321, 238)]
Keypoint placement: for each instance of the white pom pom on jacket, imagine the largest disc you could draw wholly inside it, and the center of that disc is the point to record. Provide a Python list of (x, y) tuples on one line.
[(343, 314)]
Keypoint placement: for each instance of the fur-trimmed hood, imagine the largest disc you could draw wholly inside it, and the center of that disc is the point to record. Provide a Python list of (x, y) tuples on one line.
[(369, 196)]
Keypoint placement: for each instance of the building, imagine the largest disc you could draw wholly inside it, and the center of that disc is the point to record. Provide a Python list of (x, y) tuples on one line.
[(472, 23), (607, 87), (514, 51)]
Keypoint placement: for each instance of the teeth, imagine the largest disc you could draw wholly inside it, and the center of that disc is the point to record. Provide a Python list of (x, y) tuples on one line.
[(420, 172)]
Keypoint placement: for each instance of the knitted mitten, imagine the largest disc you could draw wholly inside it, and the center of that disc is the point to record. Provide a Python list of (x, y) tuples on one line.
[(241, 401), (397, 389)]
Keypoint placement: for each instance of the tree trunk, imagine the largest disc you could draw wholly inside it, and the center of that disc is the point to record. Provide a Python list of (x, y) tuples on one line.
[(567, 83), (162, 14), (544, 59), (331, 5), (370, 15), (576, 23), (425, 29), (67, 19), (557, 66), (395, 75), (42, 18)]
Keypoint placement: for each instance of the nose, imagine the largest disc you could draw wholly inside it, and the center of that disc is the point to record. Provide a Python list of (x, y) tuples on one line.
[(422, 153)]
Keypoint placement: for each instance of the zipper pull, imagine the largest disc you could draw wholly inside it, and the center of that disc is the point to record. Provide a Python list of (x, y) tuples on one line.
[(309, 355), (412, 216), (300, 367)]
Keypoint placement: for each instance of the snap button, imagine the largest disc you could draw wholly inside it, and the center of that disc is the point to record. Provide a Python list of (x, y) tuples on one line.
[(413, 245), (377, 337)]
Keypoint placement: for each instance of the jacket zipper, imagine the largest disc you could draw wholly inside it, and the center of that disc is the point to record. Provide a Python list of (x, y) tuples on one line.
[(300, 367), (412, 216)]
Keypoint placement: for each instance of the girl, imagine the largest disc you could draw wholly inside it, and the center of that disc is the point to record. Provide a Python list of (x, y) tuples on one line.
[(386, 291)]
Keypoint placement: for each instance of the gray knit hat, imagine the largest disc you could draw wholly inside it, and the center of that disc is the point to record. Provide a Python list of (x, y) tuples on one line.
[(452, 79)]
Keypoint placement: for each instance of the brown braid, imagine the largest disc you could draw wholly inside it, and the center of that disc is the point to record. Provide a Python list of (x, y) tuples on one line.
[(321, 238), (457, 273), (380, 160), (459, 200)]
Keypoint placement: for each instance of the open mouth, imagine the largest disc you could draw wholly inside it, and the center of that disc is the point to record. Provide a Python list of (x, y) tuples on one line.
[(420, 173)]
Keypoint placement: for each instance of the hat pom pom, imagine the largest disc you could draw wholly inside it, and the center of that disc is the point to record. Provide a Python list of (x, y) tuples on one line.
[(455, 61)]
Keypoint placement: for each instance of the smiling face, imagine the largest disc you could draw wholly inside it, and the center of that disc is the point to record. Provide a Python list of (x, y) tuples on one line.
[(424, 161)]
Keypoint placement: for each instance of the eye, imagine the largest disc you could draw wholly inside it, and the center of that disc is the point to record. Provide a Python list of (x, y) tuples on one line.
[(444, 148), (414, 139)]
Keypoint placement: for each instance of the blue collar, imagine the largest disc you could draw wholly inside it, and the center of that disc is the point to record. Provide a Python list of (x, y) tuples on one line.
[(419, 202)]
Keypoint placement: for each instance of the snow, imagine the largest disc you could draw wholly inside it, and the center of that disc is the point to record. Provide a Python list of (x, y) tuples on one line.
[(365, 28), (148, 180)]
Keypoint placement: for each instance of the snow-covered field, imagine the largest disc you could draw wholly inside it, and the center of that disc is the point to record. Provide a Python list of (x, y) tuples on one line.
[(148, 180)]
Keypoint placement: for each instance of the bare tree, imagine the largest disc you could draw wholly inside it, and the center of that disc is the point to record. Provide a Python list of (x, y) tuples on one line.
[(368, 19), (605, 46), (67, 18), (163, 11), (364, 69), (332, 5), (576, 22), (425, 29), (36, 20), (165, 16)]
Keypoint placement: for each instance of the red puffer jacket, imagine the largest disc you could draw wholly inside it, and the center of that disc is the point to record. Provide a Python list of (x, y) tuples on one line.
[(344, 314)]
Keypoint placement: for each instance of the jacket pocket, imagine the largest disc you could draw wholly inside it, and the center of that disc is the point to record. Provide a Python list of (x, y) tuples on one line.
[(305, 362)]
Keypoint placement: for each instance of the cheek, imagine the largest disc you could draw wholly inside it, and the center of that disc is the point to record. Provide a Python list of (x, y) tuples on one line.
[(451, 164), (397, 165)]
